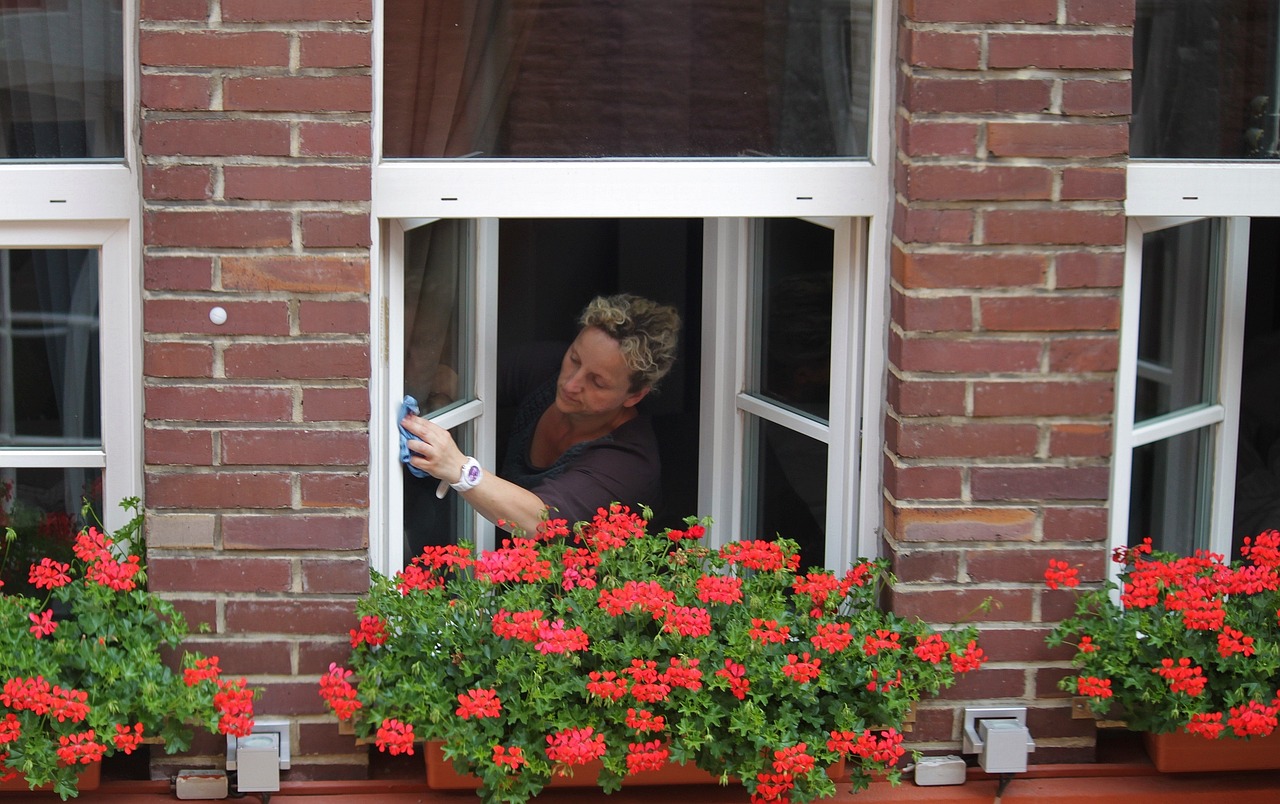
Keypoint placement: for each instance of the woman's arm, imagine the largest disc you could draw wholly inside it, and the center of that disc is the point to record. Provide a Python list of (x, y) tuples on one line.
[(495, 499)]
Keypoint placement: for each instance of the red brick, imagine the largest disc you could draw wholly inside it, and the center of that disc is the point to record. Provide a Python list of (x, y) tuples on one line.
[(947, 439), (943, 314), (926, 138), (923, 482), (981, 10), (1002, 483), (215, 137), (192, 317), (335, 139), (1084, 354), (221, 574), (177, 359), (298, 94), (177, 183), (926, 565), (1058, 140), (304, 183), (946, 356), (1045, 398), (989, 684), (294, 447), (1089, 269), (933, 225), (1057, 723), (315, 656), (174, 10), (961, 605), (1048, 227), (290, 698), (308, 274), (335, 576), (926, 398), (323, 738), (1057, 605), (297, 360), (945, 50), (335, 404), (295, 531), (948, 183), (177, 273), (185, 92), (218, 404), (1060, 51), (335, 49), (333, 317), (1024, 645), (1096, 98), (970, 269), (964, 524), (206, 48), (178, 447), (975, 96), (1005, 565), (223, 229), (297, 10), (219, 490), (1079, 441), (1075, 524), (293, 616), (1049, 314), (239, 657), (335, 490), (1093, 184), (335, 230), (197, 613), (1101, 12)]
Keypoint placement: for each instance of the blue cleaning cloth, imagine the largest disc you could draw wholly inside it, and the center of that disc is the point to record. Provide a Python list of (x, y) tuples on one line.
[(409, 405)]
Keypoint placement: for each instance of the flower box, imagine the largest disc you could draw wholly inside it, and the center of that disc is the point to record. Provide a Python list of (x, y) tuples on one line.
[(88, 777), (1179, 752)]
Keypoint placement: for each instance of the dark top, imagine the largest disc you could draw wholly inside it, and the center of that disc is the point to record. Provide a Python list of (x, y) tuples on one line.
[(621, 466)]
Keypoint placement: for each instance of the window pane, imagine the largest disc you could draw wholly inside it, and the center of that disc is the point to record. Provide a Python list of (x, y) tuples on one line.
[(61, 79), (1205, 79), (791, 331), (599, 78), (437, 370), (49, 359), (1178, 326), (431, 520), (785, 491), (43, 507), (1169, 494), (1257, 492)]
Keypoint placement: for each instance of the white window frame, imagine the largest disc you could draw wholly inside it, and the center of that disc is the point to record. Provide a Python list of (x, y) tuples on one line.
[(854, 195), (94, 205)]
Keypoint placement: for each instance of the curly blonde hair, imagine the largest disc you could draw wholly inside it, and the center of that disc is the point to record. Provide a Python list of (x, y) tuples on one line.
[(646, 332)]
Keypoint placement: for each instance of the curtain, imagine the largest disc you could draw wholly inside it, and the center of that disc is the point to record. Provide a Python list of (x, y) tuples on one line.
[(61, 79)]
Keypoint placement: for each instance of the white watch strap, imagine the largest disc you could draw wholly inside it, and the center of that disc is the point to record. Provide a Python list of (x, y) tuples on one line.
[(471, 475)]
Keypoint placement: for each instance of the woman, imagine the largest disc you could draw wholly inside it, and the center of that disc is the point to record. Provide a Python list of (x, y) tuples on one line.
[(578, 442)]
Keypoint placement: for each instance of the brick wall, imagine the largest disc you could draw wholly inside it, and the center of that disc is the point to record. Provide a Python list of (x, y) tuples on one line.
[(1005, 302), (255, 127)]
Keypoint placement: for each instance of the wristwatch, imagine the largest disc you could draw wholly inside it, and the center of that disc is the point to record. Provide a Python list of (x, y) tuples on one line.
[(471, 475)]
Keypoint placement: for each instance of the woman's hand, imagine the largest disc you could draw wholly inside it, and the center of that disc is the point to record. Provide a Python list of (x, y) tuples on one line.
[(434, 450)]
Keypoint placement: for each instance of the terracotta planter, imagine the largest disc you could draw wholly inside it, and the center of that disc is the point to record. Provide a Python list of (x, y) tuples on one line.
[(89, 779), (442, 776), (1179, 752)]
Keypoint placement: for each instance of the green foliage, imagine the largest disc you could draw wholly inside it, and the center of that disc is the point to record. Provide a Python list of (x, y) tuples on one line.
[(444, 629)]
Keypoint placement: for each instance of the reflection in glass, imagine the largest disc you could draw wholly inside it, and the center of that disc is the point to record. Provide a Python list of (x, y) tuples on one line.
[(1178, 325), (1206, 79), (1170, 487), (49, 359), (430, 520), (43, 507), (61, 79), (600, 78), (786, 489), (791, 337)]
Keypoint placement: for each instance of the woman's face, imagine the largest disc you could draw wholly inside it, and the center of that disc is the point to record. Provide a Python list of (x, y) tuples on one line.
[(594, 377)]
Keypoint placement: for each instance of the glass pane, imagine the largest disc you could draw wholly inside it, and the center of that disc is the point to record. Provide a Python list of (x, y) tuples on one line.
[(599, 78), (43, 507), (437, 370), (791, 328), (1178, 325), (430, 520), (1205, 79), (785, 491), (61, 79), (49, 359), (1170, 489)]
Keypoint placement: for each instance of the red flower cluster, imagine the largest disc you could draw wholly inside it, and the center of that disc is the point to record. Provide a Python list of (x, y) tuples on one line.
[(647, 684), (793, 761), (42, 623), (512, 757), (521, 625), (736, 675), (646, 595), (759, 555), (969, 659), (878, 746), (80, 747), (1254, 719), (611, 529), (643, 720), (395, 737), (767, 631), (204, 669), (234, 702), (872, 644), (479, 703), (725, 589), (801, 669), (832, 637), (579, 568), (689, 621), (692, 534), (337, 691), (606, 685), (818, 587), (648, 756), (575, 746), (772, 787), (1232, 641), (1182, 677), (128, 739), (516, 560), (555, 638), (1060, 573), (49, 574), (931, 649), (1094, 687), (373, 631)]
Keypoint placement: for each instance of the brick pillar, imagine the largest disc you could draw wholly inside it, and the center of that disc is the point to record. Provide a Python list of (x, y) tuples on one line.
[(256, 183), (1007, 265)]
